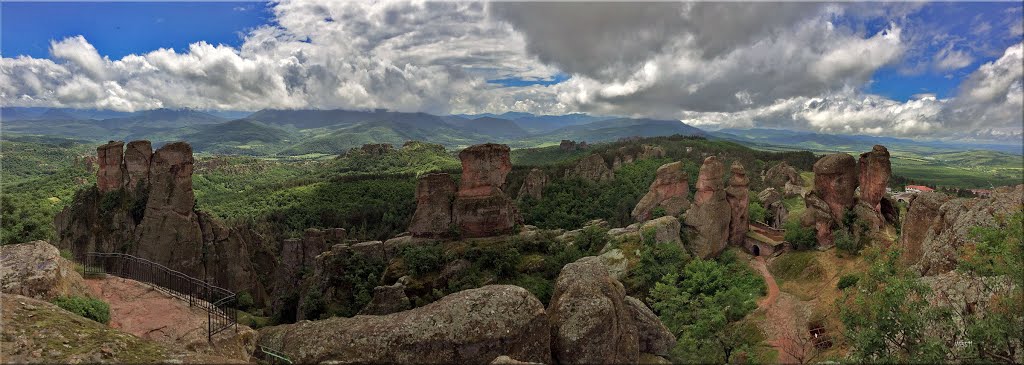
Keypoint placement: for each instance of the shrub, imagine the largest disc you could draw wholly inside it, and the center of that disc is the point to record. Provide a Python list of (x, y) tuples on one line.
[(503, 259), (847, 281), (245, 300), (591, 239), (538, 286), (757, 212), (90, 308), (846, 242), (657, 259), (423, 259), (800, 238)]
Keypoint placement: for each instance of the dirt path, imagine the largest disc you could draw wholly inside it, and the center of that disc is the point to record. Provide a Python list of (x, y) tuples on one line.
[(781, 325)]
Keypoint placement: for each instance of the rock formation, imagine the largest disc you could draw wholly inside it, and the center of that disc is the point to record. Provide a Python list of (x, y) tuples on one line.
[(668, 191), (481, 208), (169, 232), (654, 337), (534, 184), (771, 199), (469, 327), (707, 220), (591, 168), (630, 154), (570, 145), (835, 181), (874, 171), (110, 175), (737, 194), (386, 300), (665, 229), (137, 157), (937, 226), (434, 195), (36, 270), (784, 178), (376, 149), (591, 323)]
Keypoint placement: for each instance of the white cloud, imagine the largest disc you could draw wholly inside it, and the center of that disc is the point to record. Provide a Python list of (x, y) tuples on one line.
[(948, 59)]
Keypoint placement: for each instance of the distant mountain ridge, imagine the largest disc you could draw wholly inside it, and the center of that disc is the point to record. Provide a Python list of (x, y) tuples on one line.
[(833, 142)]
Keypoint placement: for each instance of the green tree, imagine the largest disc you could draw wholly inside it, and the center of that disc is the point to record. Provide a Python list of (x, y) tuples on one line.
[(757, 212)]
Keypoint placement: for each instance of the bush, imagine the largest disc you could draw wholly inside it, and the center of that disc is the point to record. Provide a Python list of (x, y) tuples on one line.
[(800, 238), (757, 212), (845, 242), (591, 239), (657, 259), (245, 300), (847, 281), (538, 286), (90, 308), (423, 259), (503, 259)]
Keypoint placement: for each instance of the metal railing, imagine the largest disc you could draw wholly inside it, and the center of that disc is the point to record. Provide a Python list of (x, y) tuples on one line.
[(219, 303)]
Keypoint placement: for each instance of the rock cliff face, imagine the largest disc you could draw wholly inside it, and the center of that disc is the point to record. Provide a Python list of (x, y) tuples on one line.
[(937, 227), (591, 323), (434, 195), (707, 221), (874, 170), (668, 191), (479, 207), (110, 175), (36, 270), (534, 184), (469, 327), (149, 211), (738, 196), (591, 168), (835, 181)]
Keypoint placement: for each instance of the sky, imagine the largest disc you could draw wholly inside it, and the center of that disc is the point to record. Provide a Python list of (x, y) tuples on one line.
[(920, 70)]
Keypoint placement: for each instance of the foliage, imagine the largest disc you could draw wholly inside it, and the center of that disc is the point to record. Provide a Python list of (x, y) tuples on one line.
[(801, 266), (845, 242), (87, 307), (800, 238), (351, 279), (502, 259), (997, 250), (704, 303), (888, 319), (757, 212), (591, 239), (539, 286), (245, 300), (421, 259), (847, 281), (657, 259)]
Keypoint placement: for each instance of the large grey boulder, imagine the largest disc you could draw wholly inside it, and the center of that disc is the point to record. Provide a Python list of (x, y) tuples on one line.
[(654, 337), (36, 270)]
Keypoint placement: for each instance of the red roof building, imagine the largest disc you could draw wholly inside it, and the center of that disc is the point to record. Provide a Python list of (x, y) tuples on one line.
[(918, 188)]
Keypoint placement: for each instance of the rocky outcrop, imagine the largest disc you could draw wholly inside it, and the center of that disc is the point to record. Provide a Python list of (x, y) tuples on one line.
[(591, 323), (570, 145), (937, 227), (629, 154), (481, 208), (771, 199), (36, 270), (665, 229), (737, 194), (874, 171), (110, 175), (386, 300), (668, 191), (469, 327), (534, 184), (591, 168), (769, 196), (818, 215), (169, 232), (137, 158), (784, 178), (835, 181), (707, 220), (654, 337), (434, 196)]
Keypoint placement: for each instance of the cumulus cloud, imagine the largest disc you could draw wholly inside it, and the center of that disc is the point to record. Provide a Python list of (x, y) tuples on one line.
[(793, 65)]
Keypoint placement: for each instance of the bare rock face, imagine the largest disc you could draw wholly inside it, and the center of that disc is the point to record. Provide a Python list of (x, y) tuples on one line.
[(137, 158), (534, 184), (469, 327), (170, 232), (484, 168), (707, 221), (481, 208), (835, 181), (110, 175), (666, 229), (654, 337), (591, 323), (668, 191), (874, 170), (386, 300), (591, 168), (36, 270), (932, 238), (738, 196), (434, 195)]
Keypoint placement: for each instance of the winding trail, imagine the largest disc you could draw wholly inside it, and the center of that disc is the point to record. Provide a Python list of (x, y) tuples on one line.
[(779, 316)]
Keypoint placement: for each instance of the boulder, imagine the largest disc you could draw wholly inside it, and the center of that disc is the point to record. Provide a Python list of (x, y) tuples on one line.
[(874, 171), (534, 184), (769, 196), (591, 323), (137, 158), (666, 229), (835, 181), (668, 191), (591, 168), (433, 216), (469, 327), (781, 174), (484, 168), (36, 270), (654, 337), (737, 194), (110, 175), (386, 300), (707, 221), (616, 263)]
